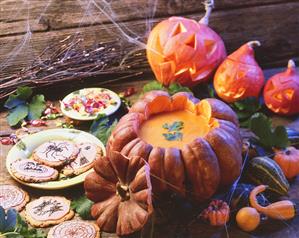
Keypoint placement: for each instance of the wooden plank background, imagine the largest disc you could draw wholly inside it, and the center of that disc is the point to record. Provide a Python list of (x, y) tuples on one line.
[(28, 27)]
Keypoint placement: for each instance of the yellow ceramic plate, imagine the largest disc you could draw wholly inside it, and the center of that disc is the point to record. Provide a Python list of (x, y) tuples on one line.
[(24, 148), (81, 115)]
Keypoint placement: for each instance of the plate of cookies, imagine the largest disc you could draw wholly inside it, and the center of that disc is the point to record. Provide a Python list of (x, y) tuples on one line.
[(54, 158)]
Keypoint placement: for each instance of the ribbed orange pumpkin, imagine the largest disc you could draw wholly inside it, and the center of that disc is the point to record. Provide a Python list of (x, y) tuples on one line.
[(206, 154), (281, 93), (121, 189), (239, 76), (184, 51), (288, 161)]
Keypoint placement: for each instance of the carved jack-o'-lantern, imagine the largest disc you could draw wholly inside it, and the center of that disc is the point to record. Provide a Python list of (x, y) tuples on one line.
[(281, 92), (184, 51), (239, 76)]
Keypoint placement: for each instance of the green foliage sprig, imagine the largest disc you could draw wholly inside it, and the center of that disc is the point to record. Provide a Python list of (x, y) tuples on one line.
[(172, 89), (22, 105), (13, 226)]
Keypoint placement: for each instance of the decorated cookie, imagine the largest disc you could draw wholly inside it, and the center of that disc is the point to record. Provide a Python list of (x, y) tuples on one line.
[(13, 197), (88, 153), (74, 229), (55, 153), (31, 171), (48, 210)]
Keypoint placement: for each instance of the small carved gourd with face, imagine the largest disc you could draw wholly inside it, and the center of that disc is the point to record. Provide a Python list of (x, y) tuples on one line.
[(281, 92), (239, 76)]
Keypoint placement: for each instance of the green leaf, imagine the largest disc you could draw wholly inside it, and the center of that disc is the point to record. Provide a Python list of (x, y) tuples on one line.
[(24, 92), (173, 136), (153, 85), (261, 126), (82, 206), (246, 108), (13, 101), (176, 88), (280, 137), (172, 89), (19, 97), (36, 107), (175, 126), (102, 127), (17, 114)]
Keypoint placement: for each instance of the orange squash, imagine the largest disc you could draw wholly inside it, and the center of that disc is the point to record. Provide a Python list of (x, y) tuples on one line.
[(282, 210), (288, 160), (186, 142), (239, 76), (217, 213), (121, 189), (248, 219), (184, 51), (281, 93)]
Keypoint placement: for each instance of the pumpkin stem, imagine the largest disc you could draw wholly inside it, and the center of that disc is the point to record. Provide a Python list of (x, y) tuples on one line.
[(209, 5), (291, 64), (123, 191), (254, 43)]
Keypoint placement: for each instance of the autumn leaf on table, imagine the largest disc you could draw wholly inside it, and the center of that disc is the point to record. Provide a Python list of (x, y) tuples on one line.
[(268, 136), (17, 114), (20, 97), (245, 109), (13, 226), (36, 107), (82, 206), (172, 89), (21, 107)]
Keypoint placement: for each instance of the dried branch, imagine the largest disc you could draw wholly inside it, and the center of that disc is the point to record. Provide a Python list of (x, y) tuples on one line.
[(69, 61)]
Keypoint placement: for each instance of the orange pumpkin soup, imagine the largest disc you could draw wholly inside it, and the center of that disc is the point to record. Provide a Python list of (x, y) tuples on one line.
[(174, 129)]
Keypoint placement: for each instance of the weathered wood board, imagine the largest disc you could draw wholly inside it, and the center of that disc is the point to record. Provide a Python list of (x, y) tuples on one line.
[(28, 27)]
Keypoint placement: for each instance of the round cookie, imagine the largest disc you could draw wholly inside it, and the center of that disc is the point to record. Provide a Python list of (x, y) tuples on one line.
[(74, 229), (88, 153), (56, 153), (31, 171), (12, 196), (48, 210)]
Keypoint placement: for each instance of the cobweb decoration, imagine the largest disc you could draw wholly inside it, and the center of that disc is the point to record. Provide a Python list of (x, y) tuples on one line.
[(71, 53)]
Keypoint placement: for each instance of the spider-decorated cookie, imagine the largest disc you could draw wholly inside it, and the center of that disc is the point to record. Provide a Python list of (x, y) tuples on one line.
[(74, 229), (56, 153), (31, 171), (88, 153), (48, 210), (12, 196)]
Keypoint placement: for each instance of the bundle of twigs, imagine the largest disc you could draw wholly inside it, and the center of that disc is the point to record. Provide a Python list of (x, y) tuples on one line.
[(68, 60)]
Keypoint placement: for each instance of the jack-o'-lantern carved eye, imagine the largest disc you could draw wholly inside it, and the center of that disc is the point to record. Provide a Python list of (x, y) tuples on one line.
[(289, 93), (271, 86), (179, 28), (278, 96), (191, 41)]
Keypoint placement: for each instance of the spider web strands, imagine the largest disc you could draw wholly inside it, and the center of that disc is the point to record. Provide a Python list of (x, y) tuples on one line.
[(68, 60)]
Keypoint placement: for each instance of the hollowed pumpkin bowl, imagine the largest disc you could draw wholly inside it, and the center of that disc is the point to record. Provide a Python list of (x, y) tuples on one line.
[(192, 146)]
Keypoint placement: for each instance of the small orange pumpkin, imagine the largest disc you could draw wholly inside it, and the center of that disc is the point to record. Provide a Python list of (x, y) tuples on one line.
[(281, 92), (239, 76), (288, 160), (217, 213), (184, 51)]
